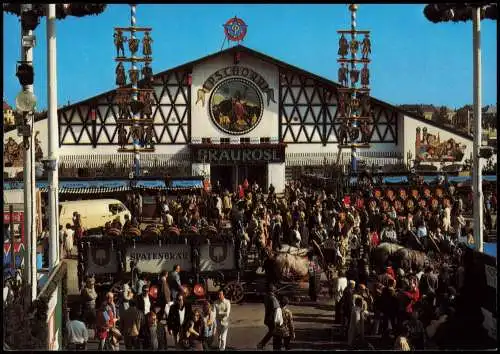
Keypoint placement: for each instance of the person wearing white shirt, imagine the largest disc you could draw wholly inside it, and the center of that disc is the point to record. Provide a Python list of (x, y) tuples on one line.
[(341, 285), (222, 311), (77, 333)]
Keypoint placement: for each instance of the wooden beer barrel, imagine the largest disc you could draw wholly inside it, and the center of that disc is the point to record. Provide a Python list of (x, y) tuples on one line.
[(132, 232), (113, 232), (172, 231)]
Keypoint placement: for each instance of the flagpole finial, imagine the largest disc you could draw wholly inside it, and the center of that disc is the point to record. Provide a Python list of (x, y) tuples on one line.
[(353, 7)]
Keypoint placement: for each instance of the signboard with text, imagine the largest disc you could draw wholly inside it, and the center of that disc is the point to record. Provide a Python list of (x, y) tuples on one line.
[(153, 258), (227, 154)]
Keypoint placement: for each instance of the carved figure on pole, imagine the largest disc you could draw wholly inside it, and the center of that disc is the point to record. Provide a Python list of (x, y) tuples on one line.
[(365, 76), (148, 101), (147, 75), (365, 106), (146, 44), (133, 45), (354, 106), (123, 110), (365, 133), (354, 46), (119, 40), (354, 131), (137, 135), (134, 76), (122, 136), (343, 71), (149, 136), (121, 79), (342, 104), (366, 49), (343, 46), (343, 133), (354, 75)]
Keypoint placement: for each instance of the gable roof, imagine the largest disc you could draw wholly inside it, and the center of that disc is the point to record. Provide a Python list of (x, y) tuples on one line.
[(266, 58)]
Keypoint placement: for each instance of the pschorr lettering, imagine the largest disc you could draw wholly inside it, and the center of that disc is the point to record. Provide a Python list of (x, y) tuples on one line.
[(148, 256)]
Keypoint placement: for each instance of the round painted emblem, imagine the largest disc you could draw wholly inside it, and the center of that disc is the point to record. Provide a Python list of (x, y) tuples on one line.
[(235, 29), (236, 106)]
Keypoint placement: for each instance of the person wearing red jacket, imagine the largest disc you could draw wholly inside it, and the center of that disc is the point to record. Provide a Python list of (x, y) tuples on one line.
[(410, 297), (390, 271)]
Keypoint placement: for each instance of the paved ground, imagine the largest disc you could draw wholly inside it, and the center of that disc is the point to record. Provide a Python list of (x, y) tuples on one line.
[(314, 323)]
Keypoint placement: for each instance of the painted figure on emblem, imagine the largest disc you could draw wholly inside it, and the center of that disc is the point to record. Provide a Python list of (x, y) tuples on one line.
[(119, 40), (121, 79), (133, 45), (146, 44)]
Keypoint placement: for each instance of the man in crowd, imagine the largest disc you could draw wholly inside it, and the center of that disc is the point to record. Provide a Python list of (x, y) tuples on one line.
[(222, 311), (178, 318), (271, 304), (77, 333), (174, 282), (132, 321)]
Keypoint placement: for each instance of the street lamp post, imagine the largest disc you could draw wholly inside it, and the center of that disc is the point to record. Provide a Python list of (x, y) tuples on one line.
[(477, 165), (30, 274), (51, 162)]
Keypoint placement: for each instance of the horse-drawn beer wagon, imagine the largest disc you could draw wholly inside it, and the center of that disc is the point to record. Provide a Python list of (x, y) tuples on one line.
[(116, 257)]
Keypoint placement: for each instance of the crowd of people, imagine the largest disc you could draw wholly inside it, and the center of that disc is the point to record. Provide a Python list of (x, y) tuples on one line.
[(406, 307), (143, 314)]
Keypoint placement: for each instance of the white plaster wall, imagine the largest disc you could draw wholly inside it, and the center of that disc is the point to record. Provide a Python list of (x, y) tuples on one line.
[(410, 126), (201, 123), (276, 176)]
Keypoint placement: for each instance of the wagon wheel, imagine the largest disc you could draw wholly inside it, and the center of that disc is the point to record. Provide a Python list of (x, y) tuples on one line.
[(234, 292)]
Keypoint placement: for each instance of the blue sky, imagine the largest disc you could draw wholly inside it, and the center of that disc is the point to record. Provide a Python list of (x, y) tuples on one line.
[(414, 61)]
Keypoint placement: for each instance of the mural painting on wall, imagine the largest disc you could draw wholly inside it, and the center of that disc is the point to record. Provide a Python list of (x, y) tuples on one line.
[(429, 147), (13, 153), (236, 106)]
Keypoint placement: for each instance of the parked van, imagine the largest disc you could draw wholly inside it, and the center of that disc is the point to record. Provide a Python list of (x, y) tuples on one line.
[(94, 213)]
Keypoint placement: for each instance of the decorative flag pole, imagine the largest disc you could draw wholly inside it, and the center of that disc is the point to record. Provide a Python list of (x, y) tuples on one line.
[(136, 96), (354, 110)]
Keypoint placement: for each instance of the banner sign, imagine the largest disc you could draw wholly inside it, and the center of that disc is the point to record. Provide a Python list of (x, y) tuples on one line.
[(217, 256), (154, 258), (230, 155), (101, 260)]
